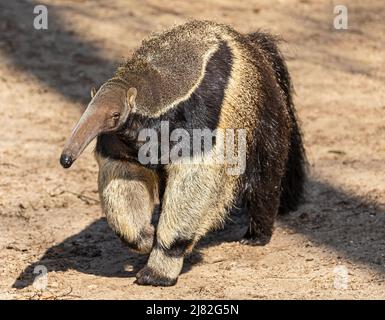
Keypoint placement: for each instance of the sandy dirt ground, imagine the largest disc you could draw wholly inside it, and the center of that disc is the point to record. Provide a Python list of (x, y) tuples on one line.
[(51, 217)]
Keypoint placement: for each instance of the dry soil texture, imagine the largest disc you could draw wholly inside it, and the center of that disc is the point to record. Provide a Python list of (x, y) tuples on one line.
[(51, 217)]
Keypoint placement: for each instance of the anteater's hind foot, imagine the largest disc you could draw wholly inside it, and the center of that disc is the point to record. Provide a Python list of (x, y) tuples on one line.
[(257, 236), (262, 216)]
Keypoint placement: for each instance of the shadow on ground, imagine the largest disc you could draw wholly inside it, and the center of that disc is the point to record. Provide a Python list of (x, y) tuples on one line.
[(330, 218), (57, 57)]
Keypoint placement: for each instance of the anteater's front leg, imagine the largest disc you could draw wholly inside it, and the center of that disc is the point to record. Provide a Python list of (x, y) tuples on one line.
[(129, 197), (194, 202)]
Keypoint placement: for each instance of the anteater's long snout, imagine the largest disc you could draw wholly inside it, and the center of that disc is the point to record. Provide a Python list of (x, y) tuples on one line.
[(89, 126)]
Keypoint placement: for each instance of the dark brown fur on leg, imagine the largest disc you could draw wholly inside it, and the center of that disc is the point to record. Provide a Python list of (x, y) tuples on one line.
[(261, 224), (292, 184)]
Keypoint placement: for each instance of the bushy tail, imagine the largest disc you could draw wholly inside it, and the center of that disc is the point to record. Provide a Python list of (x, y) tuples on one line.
[(293, 181)]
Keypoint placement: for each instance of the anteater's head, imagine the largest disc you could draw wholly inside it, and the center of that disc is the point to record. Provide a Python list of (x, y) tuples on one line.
[(106, 113), (166, 70)]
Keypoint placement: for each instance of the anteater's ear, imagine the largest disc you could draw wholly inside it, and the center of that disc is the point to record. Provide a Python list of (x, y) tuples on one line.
[(131, 95), (93, 92)]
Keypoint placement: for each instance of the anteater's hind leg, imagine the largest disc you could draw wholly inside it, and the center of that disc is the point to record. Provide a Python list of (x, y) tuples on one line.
[(263, 211), (129, 197)]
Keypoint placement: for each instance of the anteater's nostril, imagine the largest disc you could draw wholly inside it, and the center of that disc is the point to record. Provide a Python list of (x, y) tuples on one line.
[(65, 161)]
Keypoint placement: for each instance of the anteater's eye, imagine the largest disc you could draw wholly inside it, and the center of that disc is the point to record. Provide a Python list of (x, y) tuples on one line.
[(116, 115)]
